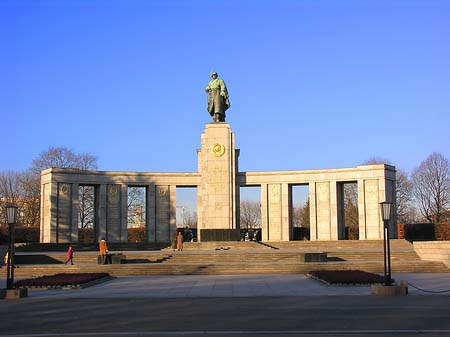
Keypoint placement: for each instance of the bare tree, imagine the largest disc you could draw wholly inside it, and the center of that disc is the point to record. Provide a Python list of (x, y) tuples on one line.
[(23, 188), (62, 157), (31, 199), (86, 208), (431, 187), (351, 204), (189, 218), (136, 206), (405, 208), (250, 214), (18, 188), (10, 191), (300, 215)]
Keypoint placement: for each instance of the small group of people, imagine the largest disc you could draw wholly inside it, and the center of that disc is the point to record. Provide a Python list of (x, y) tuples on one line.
[(103, 249)]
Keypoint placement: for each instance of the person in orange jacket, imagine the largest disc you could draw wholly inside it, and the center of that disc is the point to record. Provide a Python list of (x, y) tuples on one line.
[(179, 241), (103, 247)]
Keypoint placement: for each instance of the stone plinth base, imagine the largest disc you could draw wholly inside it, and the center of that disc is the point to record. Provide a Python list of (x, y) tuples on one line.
[(393, 290), (220, 234), (314, 257), (13, 294)]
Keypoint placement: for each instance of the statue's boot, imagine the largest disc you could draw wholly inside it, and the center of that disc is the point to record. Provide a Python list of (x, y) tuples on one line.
[(216, 117)]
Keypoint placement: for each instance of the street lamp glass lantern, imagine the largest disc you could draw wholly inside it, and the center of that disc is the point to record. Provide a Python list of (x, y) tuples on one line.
[(386, 210), (11, 214)]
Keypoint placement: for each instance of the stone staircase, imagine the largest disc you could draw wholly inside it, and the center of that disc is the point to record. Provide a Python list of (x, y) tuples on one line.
[(214, 258), (434, 251)]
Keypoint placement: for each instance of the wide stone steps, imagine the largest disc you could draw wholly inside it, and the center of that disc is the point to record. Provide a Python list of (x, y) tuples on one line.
[(237, 258), (225, 256), (226, 268)]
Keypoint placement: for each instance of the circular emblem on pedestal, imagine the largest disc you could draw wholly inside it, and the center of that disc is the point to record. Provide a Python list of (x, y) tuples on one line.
[(218, 149)]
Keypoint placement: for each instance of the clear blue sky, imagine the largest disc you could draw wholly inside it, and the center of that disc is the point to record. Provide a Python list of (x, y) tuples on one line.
[(313, 84)]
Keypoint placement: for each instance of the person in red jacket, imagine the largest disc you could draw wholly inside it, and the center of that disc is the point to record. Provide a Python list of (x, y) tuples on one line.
[(69, 255)]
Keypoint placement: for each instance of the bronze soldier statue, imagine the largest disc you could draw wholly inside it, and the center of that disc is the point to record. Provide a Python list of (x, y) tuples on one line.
[(218, 101)]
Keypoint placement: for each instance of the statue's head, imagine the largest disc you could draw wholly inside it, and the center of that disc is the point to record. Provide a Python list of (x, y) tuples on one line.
[(214, 74)]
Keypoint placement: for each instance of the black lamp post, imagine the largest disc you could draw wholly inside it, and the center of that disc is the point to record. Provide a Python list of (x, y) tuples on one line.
[(386, 210), (11, 214)]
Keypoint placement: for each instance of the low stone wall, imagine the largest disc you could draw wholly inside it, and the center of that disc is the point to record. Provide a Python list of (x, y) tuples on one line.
[(433, 251), (442, 231)]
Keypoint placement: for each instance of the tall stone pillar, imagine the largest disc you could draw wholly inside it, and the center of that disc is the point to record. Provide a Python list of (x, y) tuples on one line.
[(64, 213), (49, 204), (114, 212), (218, 169)]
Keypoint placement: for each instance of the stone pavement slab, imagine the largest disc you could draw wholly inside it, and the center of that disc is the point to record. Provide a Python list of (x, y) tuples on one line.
[(192, 286)]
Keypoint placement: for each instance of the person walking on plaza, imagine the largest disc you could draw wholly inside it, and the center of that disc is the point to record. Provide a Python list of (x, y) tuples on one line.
[(69, 255), (179, 241), (103, 247)]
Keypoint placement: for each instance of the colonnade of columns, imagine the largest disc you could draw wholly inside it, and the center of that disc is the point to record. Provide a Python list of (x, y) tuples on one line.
[(60, 207), (60, 202)]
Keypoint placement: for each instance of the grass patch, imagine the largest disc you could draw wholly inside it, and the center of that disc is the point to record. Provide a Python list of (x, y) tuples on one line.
[(346, 277), (61, 280)]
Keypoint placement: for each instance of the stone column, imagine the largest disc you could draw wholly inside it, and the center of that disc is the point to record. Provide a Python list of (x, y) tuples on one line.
[(217, 167), (100, 211), (124, 214), (264, 213), (362, 210), (114, 213), (334, 230), (285, 213), (172, 210), (275, 212), (75, 206), (48, 212), (323, 211), (371, 197), (150, 215), (162, 214), (64, 213), (312, 212)]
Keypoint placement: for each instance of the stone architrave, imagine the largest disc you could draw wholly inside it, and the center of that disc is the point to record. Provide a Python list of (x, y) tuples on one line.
[(217, 168)]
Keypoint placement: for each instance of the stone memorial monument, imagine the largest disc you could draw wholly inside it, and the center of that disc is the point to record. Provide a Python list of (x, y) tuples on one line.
[(218, 182)]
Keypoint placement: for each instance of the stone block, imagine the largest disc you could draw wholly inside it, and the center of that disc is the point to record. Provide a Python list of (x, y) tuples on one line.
[(14, 294), (393, 290), (315, 257)]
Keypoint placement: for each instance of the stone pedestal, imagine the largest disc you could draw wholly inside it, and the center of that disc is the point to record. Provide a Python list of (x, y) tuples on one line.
[(12, 294), (393, 290), (217, 162)]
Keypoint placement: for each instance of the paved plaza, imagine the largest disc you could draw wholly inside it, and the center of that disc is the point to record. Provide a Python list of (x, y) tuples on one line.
[(229, 305), (191, 286)]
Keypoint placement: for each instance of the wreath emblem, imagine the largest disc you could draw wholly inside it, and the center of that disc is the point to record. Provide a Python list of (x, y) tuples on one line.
[(64, 189), (113, 190), (218, 149)]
